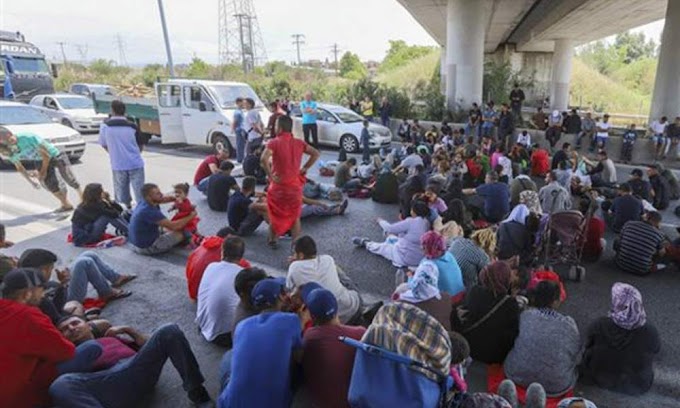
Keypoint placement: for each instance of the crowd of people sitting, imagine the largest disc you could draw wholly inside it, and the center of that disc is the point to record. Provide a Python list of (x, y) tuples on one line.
[(482, 212)]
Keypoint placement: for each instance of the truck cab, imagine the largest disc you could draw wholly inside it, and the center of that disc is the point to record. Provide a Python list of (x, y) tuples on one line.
[(24, 72), (200, 112)]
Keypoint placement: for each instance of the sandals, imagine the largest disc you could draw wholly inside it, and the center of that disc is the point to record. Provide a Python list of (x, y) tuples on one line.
[(120, 294), (123, 280)]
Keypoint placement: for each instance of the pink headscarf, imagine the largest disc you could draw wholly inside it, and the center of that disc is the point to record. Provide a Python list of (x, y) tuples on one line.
[(433, 244)]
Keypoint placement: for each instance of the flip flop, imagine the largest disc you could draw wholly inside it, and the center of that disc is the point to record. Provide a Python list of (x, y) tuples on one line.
[(123, 280), (118, 295), (63, 209)]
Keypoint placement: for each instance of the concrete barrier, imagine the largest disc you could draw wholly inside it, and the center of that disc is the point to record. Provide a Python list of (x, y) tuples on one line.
[(643, 151)]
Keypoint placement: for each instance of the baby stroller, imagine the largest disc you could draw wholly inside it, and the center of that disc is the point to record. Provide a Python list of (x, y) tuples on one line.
[(562, 242), (402, 361)]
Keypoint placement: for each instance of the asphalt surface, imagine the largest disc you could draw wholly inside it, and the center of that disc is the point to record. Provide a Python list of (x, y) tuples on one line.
[(159, 294)]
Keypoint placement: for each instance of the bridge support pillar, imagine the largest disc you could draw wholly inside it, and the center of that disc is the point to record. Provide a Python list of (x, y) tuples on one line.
[(666, 97), (466, 22), (561, 74)]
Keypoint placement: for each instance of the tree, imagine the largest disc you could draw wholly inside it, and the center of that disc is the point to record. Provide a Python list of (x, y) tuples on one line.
[(400, 54), (351, 67), (151, 73), (635, 46), (198, 69)]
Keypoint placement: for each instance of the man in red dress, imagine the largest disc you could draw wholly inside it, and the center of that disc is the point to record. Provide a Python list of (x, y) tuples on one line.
[(286, 179)]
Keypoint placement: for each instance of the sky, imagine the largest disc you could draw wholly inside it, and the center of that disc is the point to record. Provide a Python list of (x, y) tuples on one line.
[(91, 29)]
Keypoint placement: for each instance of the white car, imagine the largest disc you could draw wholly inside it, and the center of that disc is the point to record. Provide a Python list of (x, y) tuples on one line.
[(74, 111), (341, 127), (91, 89), (19, 118)]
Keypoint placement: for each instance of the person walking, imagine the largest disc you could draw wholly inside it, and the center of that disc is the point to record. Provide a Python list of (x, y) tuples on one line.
[(119, 137), (516, 100), (310, 130), (237, 129), (281, 161)]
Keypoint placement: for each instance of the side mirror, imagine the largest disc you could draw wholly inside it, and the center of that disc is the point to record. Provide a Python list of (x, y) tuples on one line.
[(202, 107), (55, 70)]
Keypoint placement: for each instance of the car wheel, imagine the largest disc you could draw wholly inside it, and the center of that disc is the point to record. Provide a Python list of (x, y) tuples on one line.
[(349, 143), (220, 142), (67, 122)]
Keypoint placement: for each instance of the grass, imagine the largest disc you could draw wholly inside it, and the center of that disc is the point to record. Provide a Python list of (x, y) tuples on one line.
[(407, 76)]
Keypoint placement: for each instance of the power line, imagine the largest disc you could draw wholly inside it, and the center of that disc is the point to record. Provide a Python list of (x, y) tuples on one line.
[(335, 51), (239, 37), (63, 52), (298, 41), (122, 61), (82, 51)]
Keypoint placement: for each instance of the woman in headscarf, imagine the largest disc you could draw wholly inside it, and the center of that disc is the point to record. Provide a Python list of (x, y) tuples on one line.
[(474, 253), (620, 347), (489, 316), (450, 277), (515, 235), (422, 290)]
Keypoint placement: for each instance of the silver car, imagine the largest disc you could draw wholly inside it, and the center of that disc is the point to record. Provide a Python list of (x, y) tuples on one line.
[(341, 127), (75, 111)]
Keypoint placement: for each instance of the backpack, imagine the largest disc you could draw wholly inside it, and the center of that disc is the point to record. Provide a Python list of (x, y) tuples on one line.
[(386, 189)]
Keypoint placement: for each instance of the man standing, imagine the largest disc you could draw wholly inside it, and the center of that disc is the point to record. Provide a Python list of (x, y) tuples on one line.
[(367, 109), (516, 100), (661, 140), (31, 147), (253, 126), (309, 129), (385, 112), (237, 129), (119, 137), (147, 219), (506, 127), (281, 161), (30, 345), (673, 133)]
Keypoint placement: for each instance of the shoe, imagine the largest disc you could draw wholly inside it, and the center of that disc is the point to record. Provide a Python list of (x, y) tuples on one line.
[(508, 391), (661, 267), (343, 207), (535, 396), (360, 242), (200, 398)]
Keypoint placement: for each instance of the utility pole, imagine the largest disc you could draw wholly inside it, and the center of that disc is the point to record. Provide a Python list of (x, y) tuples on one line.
[(82, 51), (335, 50), (171, 65), (298, 41), (122, 61), (63, 53)]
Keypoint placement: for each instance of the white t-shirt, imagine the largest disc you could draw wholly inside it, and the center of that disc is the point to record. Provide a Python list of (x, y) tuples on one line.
[(609, 171), (507, 166), (524, 140), (323, 271), (604, 126), (658, 128), (217, 299), (252, 119), (411, 161)]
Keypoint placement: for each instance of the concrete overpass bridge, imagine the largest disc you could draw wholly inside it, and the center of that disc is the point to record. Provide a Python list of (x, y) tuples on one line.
[(539, 36)]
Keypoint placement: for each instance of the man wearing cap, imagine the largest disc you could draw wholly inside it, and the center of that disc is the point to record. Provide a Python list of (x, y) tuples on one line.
[(257, 371), (126, 367), (327, 363), (217, 298), (30, 345), (640, 188)]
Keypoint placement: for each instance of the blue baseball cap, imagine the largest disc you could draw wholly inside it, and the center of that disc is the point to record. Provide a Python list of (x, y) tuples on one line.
[(307, 288), (321, 303), (267, 291)]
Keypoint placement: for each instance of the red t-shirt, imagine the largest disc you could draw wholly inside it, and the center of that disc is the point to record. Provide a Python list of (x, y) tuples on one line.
[(113, 350), (327, 363), (287, 154), (540, 162), (30, 348), (592, 249), (203, 169), (210, 251)]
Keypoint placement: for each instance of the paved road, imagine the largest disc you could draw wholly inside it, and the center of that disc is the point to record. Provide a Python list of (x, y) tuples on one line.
[(160, 291)]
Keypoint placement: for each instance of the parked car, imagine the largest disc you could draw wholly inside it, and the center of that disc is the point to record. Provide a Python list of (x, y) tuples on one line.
[(18, 117), (341, 127), (91, 89), (74, 111)]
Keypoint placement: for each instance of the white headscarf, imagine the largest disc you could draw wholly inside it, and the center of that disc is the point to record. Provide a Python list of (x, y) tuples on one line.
[(519, 214), (423, 285)]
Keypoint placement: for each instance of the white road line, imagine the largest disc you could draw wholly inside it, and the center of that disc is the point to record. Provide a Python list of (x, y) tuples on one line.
[(12, 208)]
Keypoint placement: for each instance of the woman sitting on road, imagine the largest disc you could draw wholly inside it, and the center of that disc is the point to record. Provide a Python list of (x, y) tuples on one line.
[(515, 235), (489, 316), (548, 347), (94, 214), (402, 245), (473, 254), (620, 348), (450, 277)]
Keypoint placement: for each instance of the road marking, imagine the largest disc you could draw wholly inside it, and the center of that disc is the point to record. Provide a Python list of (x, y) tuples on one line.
[(13, 208)]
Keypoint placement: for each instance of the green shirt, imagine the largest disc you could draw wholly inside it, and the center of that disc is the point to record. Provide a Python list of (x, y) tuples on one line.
[(28, 148)]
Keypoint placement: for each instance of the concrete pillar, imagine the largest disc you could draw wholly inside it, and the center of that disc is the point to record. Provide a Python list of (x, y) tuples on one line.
[(466, 22), (666, 97), (561, 74)]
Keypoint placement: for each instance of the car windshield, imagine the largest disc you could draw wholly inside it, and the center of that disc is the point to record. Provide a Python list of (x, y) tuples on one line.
[(22, 115), (347, 116), (33, 65), (227, 94), (75, 103)]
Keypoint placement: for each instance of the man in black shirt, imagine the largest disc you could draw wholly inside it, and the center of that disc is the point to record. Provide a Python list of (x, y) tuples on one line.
[(245, 215), (219, 186), (572, 123), (561, 156), (516, 100), (660, 187), (506, 127), (252, 166), (626, 207), (638, 186)]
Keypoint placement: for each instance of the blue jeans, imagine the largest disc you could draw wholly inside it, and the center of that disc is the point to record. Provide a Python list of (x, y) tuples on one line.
[(487, 129), (130, 379), (225, 369), (90, 268), (92, 233), (86, 353), (240, 145), (123, 180), (202, 185), (310, 210)]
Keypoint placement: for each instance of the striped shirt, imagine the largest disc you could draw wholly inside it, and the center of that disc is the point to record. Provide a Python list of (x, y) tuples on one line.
[(638, 244), (470, 258)]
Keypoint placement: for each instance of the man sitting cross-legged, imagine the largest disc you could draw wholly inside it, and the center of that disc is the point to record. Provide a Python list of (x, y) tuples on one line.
[(127, 368)]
